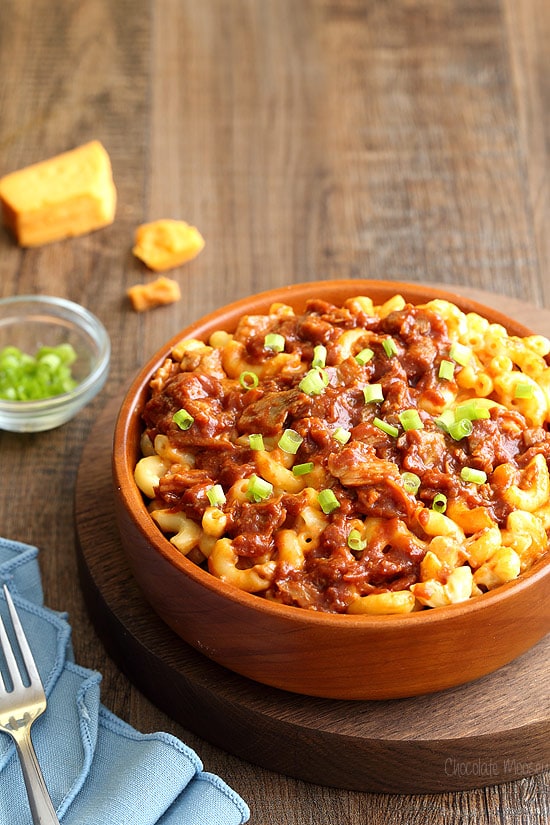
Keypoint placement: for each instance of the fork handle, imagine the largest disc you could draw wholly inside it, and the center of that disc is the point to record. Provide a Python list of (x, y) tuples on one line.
[(43, 812)]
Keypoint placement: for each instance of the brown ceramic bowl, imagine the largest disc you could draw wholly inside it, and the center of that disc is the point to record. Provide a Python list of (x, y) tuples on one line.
[(319, 654)]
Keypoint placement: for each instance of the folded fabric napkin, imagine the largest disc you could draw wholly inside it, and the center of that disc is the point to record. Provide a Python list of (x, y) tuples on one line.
[(98, 769)]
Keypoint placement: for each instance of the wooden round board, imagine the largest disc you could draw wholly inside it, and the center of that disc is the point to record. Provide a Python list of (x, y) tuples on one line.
[(494, 730)]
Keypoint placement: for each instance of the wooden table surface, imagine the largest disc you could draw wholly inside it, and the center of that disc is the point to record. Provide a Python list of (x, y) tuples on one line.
[(307, 139)]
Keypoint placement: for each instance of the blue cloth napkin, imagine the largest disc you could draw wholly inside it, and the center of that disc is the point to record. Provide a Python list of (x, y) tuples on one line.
[(98, 769)]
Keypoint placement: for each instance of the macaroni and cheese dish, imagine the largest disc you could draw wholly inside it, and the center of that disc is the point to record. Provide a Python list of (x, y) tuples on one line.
[(354, 459)]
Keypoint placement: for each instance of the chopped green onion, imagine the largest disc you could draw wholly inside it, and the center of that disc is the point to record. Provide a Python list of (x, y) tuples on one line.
[(313, 382), (411, 482), (460, 429), (364, 356), (460, 353), (390, 347), (274, 342), (473, 475), (341, 435), (471, 409), (328, 501), (319, 356), (373, 393), (65, 352), (248, 380), (256, 441), (183, 419), (13, 357), (445, 420), (355, 542), (258, 489), (389, 429), (28, 378), (446, 370), (410, 420), (439, 503), (216, 495), (50, 360), (290, 441), (303, 469), (523, 389)]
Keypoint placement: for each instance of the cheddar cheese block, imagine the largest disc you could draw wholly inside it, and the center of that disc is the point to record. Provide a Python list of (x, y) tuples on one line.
[(167, 243), (68, 195)]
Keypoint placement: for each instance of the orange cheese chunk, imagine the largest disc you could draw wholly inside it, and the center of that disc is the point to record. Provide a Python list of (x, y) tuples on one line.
[(166, 243), (68, 195), (155, 294)]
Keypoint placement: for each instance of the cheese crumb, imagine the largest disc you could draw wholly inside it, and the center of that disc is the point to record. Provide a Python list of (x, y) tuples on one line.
[(166, 243), (68, 195), (157, 293)]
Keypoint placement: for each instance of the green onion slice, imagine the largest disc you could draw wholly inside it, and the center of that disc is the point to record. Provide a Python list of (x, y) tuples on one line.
[(523, 389), (256, 441), (460, 353), (473, 475), (274, 342), (327, 501), (445, 420), (373, 393), (313, 382), (389, 429), (303, 469), (410, 420), (341, 435), (460, 429), (471, 409), (364, 356), (258, 489), (216, 495), (50, 360), (65, 352), (183, 419), (446, 370), (390, 347), (439, 503), (290, 441), (248, 380), (411, 482), (319, 356), (355, 542)]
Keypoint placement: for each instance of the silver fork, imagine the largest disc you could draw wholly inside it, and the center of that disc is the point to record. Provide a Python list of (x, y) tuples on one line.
[(19, 707)]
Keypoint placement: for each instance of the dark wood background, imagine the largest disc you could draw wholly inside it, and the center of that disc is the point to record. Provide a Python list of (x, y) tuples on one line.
[(307, 139)]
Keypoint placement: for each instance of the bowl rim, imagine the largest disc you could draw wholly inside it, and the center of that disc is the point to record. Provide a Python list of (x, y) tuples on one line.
[(85, 320), (132, 499)]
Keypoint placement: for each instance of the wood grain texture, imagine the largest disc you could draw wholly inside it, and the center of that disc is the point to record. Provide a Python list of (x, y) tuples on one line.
[(407, 139), (528, 33)]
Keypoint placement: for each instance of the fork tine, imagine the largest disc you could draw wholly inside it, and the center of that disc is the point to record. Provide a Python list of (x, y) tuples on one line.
[(9, 656), (28, 658), (4, 643)]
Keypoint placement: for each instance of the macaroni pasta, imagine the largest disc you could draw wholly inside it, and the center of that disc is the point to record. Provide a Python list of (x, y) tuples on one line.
[(357, 459)]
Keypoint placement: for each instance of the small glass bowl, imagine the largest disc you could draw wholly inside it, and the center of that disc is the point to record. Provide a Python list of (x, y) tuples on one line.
[(32, 321)]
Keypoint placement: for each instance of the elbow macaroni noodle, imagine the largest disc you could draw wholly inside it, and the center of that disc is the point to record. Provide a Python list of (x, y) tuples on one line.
[(384, 548)]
